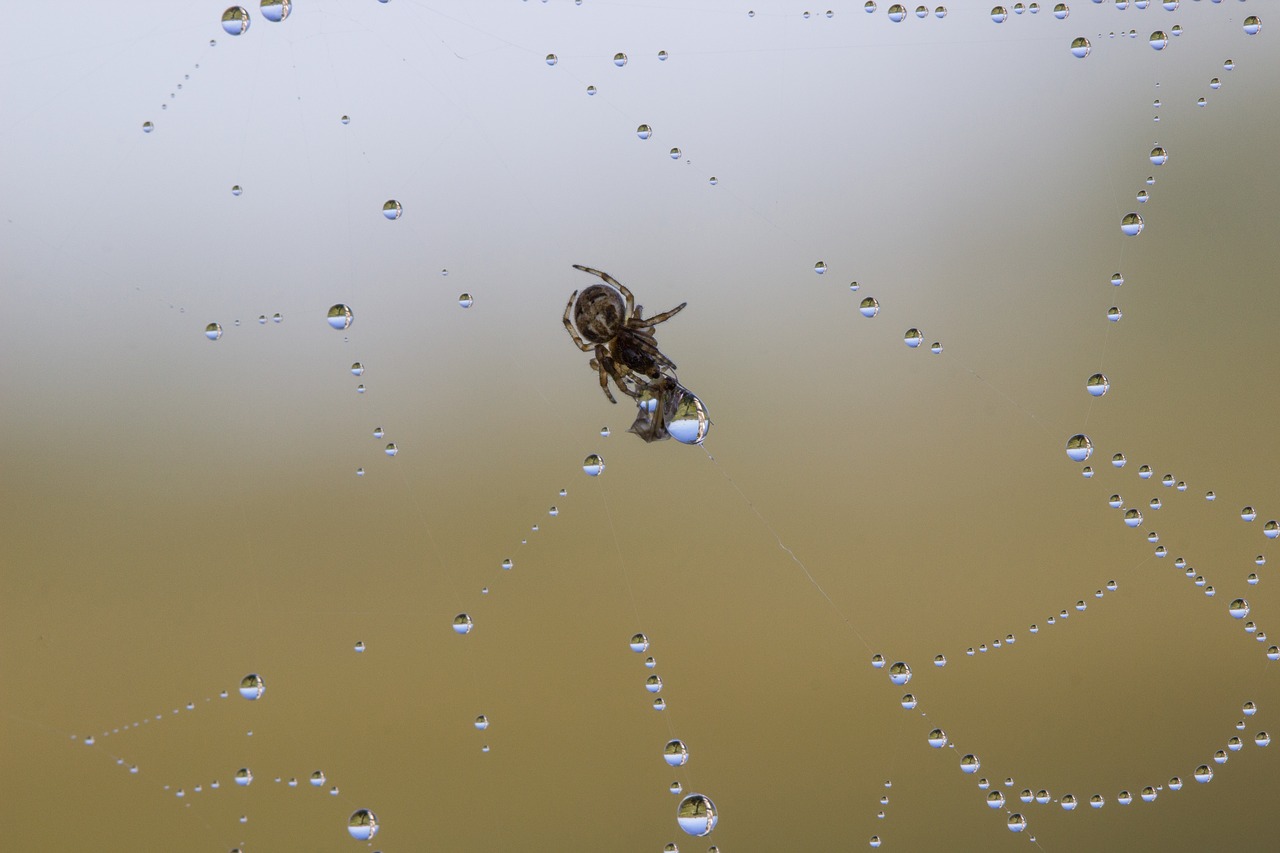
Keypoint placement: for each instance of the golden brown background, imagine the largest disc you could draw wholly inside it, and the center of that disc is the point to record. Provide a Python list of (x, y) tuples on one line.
[(179, 513)]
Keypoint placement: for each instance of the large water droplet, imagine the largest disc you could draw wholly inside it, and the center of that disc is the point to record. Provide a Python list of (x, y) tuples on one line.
[(276, 10), (593, 465), (462, 624), (1252, 25), (1131, 225), (340, 317), (392, 209), (696, 815), (235, 20), (252, 686), (1079, 447), (363, 825), (675, 753), (1080, 47)]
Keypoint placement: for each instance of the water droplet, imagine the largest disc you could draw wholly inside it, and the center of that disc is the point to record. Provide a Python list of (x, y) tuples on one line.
[(899, 673), (235, 20), (662, 56), (675, 787), (1239, 608), (1252, 25), (346, 119), (359, 646), (697, 815), (1133, 517), (869, 307), (675, 753), (1131, 225), (995, 800), (213, 331), (639, 643), (653, 684), (357, 369), (340, 317), (466, 300), (1061, 11), (619, 59), (937, 739), (1080, 47), (908, 701), (913, 338), (970, 764), (820, 267), (1248, 514), (1148, 794), (999, 14), (1017, 823), (244, 777), (276, 10), (363, 825), (1097, 385), (1096, 801), (897, 12), (1158, 40), (644, 131), (317, 779), (593, 465), (1144, 472), (1079, 447), (1159, 156), (1262, 739), (869, 6), (252, 686), (462, 624), (392, 209), (552, 59), (940, 660)]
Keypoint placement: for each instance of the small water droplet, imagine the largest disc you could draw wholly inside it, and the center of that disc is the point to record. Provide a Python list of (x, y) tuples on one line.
[(392, 209)]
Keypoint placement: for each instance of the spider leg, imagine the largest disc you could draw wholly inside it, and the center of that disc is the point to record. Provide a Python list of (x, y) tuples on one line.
[(598, 364), (666, 315), (577, 339), (612, 282)]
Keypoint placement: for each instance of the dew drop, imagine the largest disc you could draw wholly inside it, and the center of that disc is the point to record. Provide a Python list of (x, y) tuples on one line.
[(1079, 46), (619, 59), (593, 465), (869, 307), (1079, 447), (276, 10), (340, 317), (252, 686), (466, 300), (363, 825), (392, 209), (462, 624), (697, 815), (235, 21), (213, 331), (675, 753)]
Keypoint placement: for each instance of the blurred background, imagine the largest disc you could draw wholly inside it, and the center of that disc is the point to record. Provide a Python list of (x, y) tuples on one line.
[(181, 512)]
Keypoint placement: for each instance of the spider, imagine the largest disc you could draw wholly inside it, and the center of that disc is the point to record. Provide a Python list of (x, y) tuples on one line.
[(606, 320)]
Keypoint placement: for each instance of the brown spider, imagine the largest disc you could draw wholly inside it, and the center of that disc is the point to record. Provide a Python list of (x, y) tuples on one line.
[(606, 320)]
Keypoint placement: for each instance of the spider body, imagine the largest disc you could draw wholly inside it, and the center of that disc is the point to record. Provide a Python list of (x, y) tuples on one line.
[(603, 319)]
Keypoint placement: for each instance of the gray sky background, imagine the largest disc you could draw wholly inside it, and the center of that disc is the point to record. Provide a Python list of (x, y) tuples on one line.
[(181, 512)]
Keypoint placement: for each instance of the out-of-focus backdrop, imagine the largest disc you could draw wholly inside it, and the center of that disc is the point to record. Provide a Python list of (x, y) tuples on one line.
[(181, 512)]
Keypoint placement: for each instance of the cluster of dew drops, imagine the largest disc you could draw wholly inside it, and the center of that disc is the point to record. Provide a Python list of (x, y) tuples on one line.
[(696, 813), (1079, 448)]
